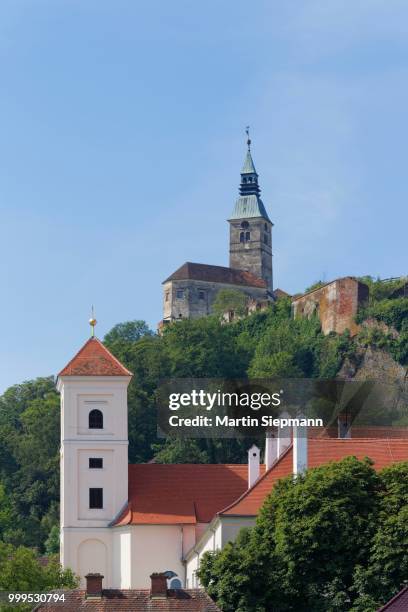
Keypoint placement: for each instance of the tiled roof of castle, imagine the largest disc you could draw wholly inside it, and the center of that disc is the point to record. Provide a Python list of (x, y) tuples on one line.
[(216, 274), (181, 493), (399, 603), (94, 359), (382, 451), (135, 600)]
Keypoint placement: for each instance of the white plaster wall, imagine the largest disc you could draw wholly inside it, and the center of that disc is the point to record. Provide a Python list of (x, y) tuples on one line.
[(214, 538), (122, 560), (82, 529), (191, 568), (88, 550), (156, 548), (231, 526)]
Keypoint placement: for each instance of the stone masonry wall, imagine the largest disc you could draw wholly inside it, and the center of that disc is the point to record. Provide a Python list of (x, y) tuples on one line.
[(335, 303), (198, 297)]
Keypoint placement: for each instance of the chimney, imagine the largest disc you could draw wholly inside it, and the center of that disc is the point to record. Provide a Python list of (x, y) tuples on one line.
[(299, 448), (253, 465), (159, 585), (271, 449), (93, 586), (284, 435)]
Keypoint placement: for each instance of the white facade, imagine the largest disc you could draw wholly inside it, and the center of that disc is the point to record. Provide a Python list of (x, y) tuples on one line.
[(219, 532), (86, 538), (95, 458)]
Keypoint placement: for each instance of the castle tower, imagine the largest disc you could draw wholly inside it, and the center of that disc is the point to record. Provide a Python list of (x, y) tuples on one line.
[(94, 458), (250, 227)]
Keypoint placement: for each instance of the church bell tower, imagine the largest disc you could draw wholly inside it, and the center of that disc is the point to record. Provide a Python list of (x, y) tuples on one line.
[(250, 227)]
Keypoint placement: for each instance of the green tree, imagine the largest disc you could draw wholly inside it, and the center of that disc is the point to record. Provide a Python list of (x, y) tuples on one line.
[(310, 535), (181, 451), (52, 543), (129, 331), (21, 570), (387, 567), (230, 300), (203, 348)]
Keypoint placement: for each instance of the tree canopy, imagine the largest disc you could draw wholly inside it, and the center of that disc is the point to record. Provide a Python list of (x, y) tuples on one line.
[(332, 540)]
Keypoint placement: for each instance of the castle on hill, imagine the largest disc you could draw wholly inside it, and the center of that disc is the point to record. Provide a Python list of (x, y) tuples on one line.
[(191, 290)]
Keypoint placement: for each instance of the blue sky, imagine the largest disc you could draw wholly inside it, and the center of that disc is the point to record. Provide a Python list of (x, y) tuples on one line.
[(122, 136)]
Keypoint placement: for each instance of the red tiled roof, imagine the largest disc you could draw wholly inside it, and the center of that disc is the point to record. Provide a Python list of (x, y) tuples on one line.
[(181, 493), (94, 359), (382, 451), (135, 600), (357, 431), (399, 603), (216, 274)]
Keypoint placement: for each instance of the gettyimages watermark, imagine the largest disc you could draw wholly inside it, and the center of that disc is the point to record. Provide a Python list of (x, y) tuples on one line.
[(220, 408)]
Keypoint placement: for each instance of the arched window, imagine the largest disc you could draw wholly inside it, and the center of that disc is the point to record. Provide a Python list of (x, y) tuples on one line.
[(244, 224), (247, 236), (265, 239), (265, 227), (244, 180), (242, 237), (95, 419)]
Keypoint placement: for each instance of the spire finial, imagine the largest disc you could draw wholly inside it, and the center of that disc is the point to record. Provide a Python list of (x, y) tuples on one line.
[(92, 322), (248, 138)]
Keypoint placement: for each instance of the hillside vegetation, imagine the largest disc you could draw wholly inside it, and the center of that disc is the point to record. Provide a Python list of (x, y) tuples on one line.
[(268, 343)]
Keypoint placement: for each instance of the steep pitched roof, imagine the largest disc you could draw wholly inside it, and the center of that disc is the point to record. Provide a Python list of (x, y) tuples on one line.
[(134, 600), (94, 359), (248, 167), (249, 207), (181, 493), (216, 274), (399, 603), (382, 451)]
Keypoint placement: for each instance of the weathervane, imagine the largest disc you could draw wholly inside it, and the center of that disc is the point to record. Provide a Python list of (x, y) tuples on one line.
[(249, 140), (92, 322)]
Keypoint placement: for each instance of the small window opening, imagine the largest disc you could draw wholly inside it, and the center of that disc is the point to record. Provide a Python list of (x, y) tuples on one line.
[(179, 294), (242, 237), (201, 295), (247, 236), (95, 498), (95, 419), (95, 462)]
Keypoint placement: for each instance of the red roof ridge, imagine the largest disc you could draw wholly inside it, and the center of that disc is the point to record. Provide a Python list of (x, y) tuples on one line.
[(393, 599), (217, 274), (94, 359), (180, 493), (241, 497)]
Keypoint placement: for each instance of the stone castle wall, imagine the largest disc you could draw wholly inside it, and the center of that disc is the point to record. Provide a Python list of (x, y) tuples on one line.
[(335, 303), (198, 297)]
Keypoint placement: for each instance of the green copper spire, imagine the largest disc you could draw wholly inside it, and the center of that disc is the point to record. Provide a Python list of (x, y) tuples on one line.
[(248, 167), (249, 204)]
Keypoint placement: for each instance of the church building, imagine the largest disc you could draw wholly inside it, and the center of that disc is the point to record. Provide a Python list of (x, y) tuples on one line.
[(129, 522), (191, 290)]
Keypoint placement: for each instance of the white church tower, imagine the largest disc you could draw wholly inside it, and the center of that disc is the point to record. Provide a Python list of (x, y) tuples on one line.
[(94, 458)]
